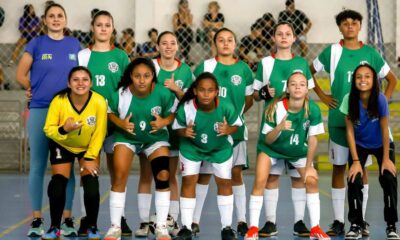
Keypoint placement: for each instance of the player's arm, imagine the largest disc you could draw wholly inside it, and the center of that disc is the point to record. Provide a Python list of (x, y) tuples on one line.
[(97, 138), (23, 69), (307, 28), (392, 81), (272, 135), (53, 128), (248, 103), (325, 98)]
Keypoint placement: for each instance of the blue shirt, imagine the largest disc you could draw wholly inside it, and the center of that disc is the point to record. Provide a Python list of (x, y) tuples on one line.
[(52, 62)]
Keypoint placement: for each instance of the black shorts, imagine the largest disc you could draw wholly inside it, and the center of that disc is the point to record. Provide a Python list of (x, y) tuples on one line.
[(59, 154)]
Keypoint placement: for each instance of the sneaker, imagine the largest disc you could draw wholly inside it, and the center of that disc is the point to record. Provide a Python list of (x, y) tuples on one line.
[(93, 233), (67, 228), (391, 233), (52, 234), (143, 230), (83, 228), (242, 228), (354, 232), (300, 229), (184, 234), (252, 234), (195, 228), (228, 234), (161, 233), (114, 233), (318, 234), (125, 229), (36, 229), (268, 230), (336, 229), (364, 229), (174, 230)]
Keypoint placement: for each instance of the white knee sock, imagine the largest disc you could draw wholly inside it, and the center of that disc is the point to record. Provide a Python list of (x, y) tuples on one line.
[(144, 204), (255, 206), (239, 193), (299, 199), (338, 198), (201, 194), (187, 209), (271, 197), (365, 199), (82, 201), (174, 209), (313, 206), (117, 203), (225, 206), (162, 200)]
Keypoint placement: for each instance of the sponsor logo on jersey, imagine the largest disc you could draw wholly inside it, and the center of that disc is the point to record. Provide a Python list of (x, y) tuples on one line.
[(364, 62), (236, 80), (156, 110), (216, 127), (47, 56), (306, 124), (297, 71), (113, 67), (72, 56), (179, 83), (91, 120)]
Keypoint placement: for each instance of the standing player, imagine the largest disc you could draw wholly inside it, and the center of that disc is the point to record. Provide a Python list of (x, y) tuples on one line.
[(107, 64), (140, 131), (271, 76), (339, 60), (76, 125), (290, 129), (177, 77), (205, 125), (367, 130), (235, 81), (43, 71)]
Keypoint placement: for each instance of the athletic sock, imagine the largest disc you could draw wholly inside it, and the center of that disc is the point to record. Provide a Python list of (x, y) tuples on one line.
[(174, 209), (239, 193), (255, 206), (187, 209), (313, 206), (338, 198), (365, 199), (117, 203), (144, 204), (225, 206), (201, 194), (271, 197), (299, 199), (162, 200)]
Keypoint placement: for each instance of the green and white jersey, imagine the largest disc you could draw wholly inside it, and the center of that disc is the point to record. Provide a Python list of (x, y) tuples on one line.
[(159, 102), (340, 63), (206, 142), (183, 77), (106, 68), (291, 145), (235, 83), (275, 72)]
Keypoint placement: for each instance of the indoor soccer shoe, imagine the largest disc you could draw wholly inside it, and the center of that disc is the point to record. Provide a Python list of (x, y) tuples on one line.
[(184, 234), (195, 228), (36, 229), (52, 234), (317, 233), (354, 232), (143, 230), (114, 233), (252, 234), (242, 228), (125, 229), (391, 233), (336, 229), (67, 228), (364, 229), (268, 230), (228, 234), (93, 234), (300, 229), (161, 233)]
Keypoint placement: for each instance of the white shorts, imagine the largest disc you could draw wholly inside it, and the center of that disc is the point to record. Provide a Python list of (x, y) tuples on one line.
[(278, 166), (240, 154), (339, 155), (108, 144), (147, 151), (221, 170)]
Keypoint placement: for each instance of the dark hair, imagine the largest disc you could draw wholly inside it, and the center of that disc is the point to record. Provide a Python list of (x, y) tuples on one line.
[(27, 10), (151, 31), (354, 97), (162, 35), (256, 26), (189, 94), (126, 77), (224, 29), (347, 13), (289, 2), (67, 90), (284, 23), (129, 31), (93, 12), (54, 5), (268, 17), (101, 13)]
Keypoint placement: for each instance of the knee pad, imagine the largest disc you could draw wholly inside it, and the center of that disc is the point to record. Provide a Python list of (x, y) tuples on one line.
[(57, 186), (157, 165), (91, 186)]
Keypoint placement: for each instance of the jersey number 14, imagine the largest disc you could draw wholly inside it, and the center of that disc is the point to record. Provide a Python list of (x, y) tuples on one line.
[(294, 139)]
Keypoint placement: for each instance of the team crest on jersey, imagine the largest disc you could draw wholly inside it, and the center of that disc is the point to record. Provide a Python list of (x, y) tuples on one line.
[(306, 124), (113, 67), (91, 120), (72, 56), (236, 80), (156, 110), (179, 83), (364, 63), (216, 127)]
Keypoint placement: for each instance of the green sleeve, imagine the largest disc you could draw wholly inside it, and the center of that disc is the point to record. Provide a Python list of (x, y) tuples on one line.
[(248, 74), (113, 103), (259, 72), (325, 59), (344, 107), (315, 114), (168, 102), (180, 116), (199, 69)]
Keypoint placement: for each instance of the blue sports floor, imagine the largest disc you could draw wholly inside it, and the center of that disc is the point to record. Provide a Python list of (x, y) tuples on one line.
[(15, 208)]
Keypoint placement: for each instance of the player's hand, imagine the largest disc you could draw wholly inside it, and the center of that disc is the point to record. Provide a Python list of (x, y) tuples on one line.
[(170, 84), (28, 94), (354, 170), (223, 128), (127, 125), (91, 166), (189, 132), (310, 172), (329, 101), (285, 125), (267, 92), (157, 124), (71, 125), (388, 166)]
